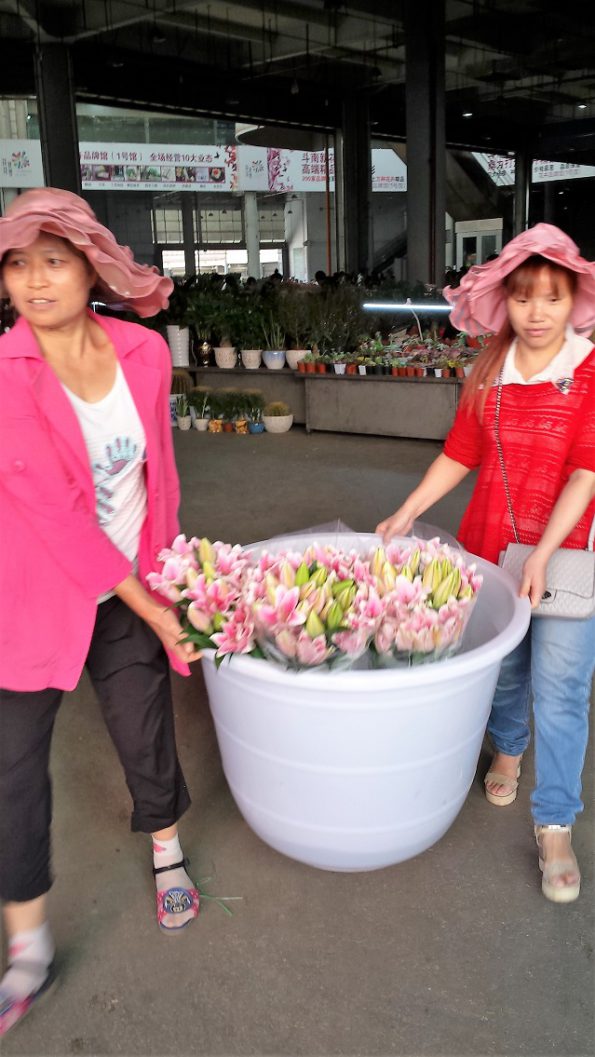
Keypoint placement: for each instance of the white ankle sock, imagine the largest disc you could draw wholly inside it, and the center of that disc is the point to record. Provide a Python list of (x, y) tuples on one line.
[(34, 950), (165, 852)]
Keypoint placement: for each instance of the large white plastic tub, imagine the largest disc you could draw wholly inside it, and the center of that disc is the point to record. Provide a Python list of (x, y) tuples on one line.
[(358, 770)]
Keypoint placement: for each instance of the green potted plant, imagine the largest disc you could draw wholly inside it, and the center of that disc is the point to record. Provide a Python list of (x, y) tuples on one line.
[(277, 417), (177, 321), (217, 411), (274, 341), (199, 400), (226, 324), (183, 412), (294, 316), (255, 405), (250, 330)]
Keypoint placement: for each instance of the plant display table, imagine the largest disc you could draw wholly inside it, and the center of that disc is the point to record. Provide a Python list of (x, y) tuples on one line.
[(421, 408), (359, 770)]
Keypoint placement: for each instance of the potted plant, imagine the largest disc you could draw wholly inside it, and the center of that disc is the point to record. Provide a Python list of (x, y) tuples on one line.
[(183, 412), (181, 384), (226, 324), (255, 403), (250, 330), (199, 400), (294, 317), (177, 321), (274, 338), (242, 408), (228, 408), (277, 417), (216, 407)]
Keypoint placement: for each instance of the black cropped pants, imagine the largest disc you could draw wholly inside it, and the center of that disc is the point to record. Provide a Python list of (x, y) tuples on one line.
[(130, 674)]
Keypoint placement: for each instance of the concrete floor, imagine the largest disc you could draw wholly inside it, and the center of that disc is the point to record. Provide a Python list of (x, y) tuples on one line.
[(452, 953)]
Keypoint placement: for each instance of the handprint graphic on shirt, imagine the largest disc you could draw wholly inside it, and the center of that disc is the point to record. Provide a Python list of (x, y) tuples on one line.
[(118, 455)]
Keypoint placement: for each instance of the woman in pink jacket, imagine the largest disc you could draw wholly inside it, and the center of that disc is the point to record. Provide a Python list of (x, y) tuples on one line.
[(88, 497)]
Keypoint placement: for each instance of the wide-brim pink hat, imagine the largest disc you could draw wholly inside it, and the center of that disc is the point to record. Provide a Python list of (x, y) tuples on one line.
[(138, 287), (480, 300)]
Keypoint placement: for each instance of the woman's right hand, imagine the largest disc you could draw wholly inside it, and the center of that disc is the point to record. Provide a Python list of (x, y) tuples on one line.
[(398, 524), (167, 627)]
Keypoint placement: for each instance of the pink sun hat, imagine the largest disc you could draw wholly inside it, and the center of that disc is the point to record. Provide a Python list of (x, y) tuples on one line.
[(138, 287), (479, 303)]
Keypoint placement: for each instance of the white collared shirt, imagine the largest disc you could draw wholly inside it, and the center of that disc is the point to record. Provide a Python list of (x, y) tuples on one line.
[(561, 368)]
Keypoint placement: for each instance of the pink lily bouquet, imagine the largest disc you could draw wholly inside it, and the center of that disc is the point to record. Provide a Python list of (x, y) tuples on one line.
[(321, 606), (206, 582), (428, 593), (314, 607)]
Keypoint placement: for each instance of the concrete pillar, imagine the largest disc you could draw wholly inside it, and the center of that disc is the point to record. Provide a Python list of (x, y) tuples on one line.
[(188, 232), (522, 188), (252, 233), (426, 143), (57, 117), (355, 168), (339, 203)]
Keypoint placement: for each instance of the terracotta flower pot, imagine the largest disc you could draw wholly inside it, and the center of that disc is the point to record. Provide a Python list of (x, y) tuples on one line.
[(302, 367), (310, 368), (351, 368), (410, 372), (320, 368), (228, 427), (394, 371), (460, 372), (401, 371)]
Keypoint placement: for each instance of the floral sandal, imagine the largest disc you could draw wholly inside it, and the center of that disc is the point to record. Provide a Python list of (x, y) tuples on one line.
[(13, 1010), (176, 900)]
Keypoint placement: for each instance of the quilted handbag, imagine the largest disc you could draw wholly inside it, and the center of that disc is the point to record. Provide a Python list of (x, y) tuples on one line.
[(570, 580)]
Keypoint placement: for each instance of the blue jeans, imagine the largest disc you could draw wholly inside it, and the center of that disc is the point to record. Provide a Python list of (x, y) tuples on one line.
[(554, 664)]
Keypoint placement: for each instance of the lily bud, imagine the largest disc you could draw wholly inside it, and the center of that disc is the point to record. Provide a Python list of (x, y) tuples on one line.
[(428, 576), (209, 570), (389, 575), (378, 562), (443, 592), (320, 576), (414, 560), (314, 625), (302, 575), (339, 586), (218, 621), (271, 588), (191, 577), (206, 551), (287, 575), (467, 592), (406, 572), (334, 617)]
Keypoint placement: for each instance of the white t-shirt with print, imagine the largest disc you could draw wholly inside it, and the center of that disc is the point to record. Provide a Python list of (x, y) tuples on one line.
[(115, 442)]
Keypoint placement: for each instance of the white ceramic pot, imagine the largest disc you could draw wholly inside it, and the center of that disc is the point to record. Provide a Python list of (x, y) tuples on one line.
[(184, 422), (438, 372), (361, 368), (201, 424), (295, 356), (178, 339), (468, 367), (277, 423), (339, 368), (274, 358), (226, 356), (359, 770), (251, 358)]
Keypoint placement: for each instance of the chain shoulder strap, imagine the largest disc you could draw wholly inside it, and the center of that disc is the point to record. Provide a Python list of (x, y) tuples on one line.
[(501, 456)]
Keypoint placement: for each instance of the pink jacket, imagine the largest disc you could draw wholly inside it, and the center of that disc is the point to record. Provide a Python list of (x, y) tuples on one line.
[(55, 560)]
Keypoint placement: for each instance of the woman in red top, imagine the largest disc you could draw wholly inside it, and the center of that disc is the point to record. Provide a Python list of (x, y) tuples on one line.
[(534, 296)]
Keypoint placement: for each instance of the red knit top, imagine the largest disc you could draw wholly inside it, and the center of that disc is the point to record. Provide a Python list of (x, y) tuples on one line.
[(546, 435)]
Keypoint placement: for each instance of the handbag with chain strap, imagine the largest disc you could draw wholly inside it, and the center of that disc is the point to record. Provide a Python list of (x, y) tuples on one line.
[(570, 578)]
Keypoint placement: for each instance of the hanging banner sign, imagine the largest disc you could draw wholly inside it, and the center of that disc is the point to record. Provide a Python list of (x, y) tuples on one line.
[(157, 167), (501, 170), (20, 163), (186, 167)]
